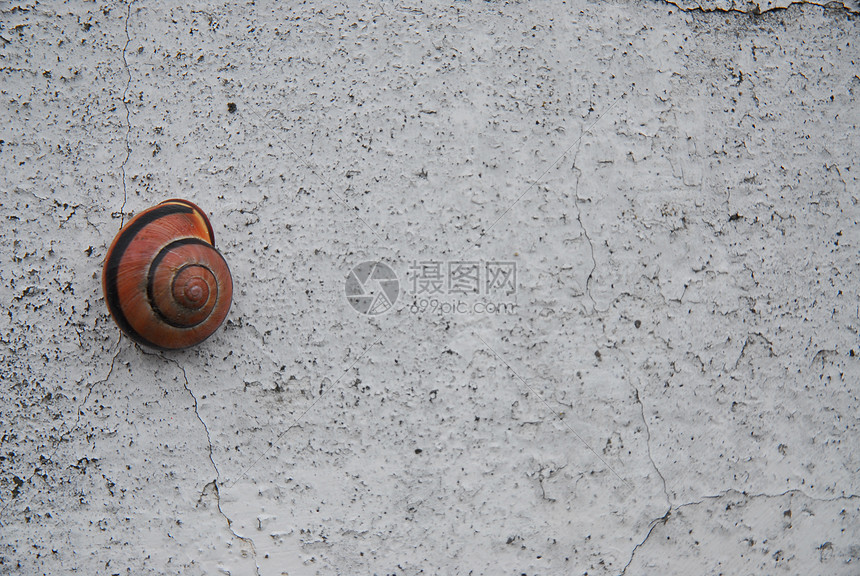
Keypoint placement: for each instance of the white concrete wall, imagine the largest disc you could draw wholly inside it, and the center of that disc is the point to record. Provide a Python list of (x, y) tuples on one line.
[(675, 391)]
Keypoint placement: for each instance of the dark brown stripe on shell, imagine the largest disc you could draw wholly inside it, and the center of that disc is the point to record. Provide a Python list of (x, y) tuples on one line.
[(150, 279), (202, 214), (115, 257)]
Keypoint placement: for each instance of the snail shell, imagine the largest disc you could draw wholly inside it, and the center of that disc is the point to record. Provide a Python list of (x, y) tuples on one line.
[(165, 284)]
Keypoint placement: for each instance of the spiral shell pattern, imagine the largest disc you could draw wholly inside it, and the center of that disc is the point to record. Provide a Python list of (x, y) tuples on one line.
[(165, 284)]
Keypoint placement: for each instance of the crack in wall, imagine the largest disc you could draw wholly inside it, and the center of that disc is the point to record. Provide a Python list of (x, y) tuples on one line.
[(64, 436), (214, 484), (794, 491), (662, 520), (654, 523), (665, 517), (753, 8), (576, 201), (127, 115), (197, 413), (245, 539), (648, 444)]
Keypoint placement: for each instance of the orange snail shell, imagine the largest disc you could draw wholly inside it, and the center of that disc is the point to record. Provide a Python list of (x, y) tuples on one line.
[(165, 284)]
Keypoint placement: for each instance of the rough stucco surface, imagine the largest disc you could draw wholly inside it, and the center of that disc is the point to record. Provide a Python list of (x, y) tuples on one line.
[(675, 393)]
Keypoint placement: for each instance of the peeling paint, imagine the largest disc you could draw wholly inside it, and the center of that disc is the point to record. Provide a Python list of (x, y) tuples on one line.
[(755, 7)]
